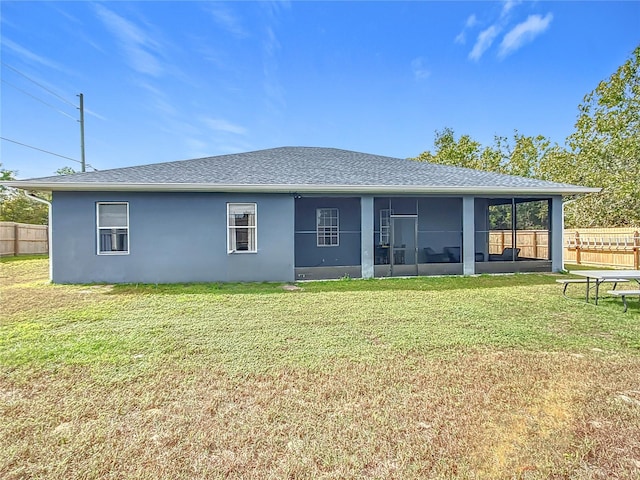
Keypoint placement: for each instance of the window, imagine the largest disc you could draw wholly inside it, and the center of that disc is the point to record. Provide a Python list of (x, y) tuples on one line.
[(327, 227), (112, 219), (385, 225), (241, 231)]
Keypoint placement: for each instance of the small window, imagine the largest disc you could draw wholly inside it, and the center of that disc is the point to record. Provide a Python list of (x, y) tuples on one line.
[(112, 220), (241, 231), (385, 225), (327, 227)]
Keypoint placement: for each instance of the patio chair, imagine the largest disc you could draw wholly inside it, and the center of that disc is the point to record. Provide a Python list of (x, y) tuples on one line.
[(453, 253), (507, 255), (432, 257)]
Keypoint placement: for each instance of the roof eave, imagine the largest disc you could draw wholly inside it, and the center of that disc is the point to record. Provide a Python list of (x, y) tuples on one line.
[(294, 189)]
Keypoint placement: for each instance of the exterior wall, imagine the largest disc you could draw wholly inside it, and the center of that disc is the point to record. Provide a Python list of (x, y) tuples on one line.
[(307, 251), (182, 237), (366, 238), (468, 235), (556, 225), (174, 237)]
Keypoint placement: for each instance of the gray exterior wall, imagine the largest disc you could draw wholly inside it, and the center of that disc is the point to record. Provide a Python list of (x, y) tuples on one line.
[(557, 229), (174, 237), (308, 253), (182, 237)]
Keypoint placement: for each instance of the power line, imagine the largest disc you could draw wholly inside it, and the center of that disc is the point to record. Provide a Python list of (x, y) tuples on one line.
[(39, 149), (46, 151), (39, 84), (39, 99)]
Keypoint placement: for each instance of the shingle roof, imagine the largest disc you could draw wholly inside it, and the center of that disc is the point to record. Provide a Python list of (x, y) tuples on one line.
[(296, 169)]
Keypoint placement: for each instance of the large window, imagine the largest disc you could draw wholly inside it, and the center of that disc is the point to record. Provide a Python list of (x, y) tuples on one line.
[(241, 231), (327, 227), (112, 220)]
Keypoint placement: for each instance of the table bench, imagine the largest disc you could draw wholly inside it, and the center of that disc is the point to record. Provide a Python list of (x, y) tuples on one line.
[(568, 281), (624, 294)]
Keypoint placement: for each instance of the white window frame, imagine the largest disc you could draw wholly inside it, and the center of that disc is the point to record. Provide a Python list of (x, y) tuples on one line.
[(324, 231), (119, 227), (235, 227), (385, 225)]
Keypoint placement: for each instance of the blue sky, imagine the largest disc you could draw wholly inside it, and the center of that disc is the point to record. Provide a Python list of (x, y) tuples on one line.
[(166, 81)]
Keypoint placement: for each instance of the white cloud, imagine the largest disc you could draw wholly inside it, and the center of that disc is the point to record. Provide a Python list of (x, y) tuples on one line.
[(227, 20), (419, 69), (274, 91), (471, 22), (223, 126), (271, 44), (139, 47), (524, 33), (508, 6), (483, 42), (29, 55), (94, 114)]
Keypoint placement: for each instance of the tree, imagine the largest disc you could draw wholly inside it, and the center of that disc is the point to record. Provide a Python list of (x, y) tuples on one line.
[(605, 152), (65, 171), (464, 152), (16, 207), (521, 155)]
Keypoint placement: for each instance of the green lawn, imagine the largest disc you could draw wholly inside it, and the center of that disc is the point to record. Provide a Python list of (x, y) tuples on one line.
[(484, 377)]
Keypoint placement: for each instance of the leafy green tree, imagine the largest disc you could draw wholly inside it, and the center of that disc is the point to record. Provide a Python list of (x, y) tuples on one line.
[(65, 171), (518, 156), (16, 207), (6, 174), (463, 152), (604, 151)]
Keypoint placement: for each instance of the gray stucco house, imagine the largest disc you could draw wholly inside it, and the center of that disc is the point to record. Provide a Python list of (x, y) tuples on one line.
[(294, 213)]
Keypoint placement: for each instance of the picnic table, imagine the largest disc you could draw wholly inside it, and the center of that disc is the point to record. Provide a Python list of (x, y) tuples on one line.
[(600, 276)]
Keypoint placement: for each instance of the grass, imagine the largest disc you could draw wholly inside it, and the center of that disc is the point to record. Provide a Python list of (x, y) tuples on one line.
[(484, 377), (574, 266)]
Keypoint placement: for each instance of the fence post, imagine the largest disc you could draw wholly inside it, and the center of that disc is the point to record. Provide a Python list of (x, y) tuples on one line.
[(16, 239), (636, 250), (578, 248), (502, 241), (535, 244)]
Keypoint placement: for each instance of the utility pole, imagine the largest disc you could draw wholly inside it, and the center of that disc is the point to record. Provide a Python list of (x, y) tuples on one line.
[(84, 169)]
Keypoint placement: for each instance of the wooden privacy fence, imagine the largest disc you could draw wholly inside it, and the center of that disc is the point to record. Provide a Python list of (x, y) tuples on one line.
[(23, 239), (532, 243), (616, 247)]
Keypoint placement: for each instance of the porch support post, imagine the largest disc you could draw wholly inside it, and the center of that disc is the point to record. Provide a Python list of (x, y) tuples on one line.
[(556, 240), (366, 236), (468, 235)]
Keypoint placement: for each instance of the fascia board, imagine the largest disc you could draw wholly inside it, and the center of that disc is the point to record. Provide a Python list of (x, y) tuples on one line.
[(247, 188)]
